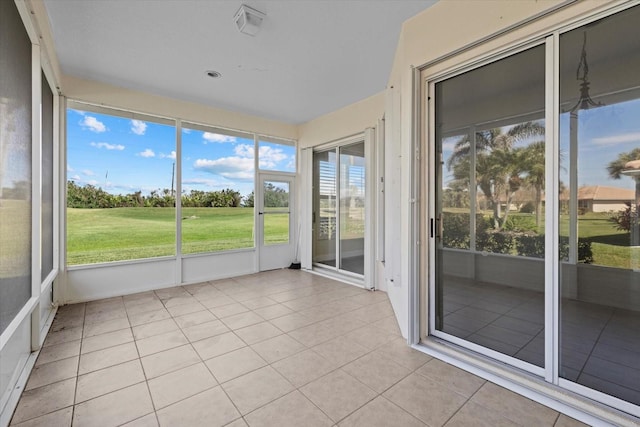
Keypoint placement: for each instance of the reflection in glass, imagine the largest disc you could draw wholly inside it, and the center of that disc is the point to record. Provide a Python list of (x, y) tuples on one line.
[(352, 192), (324, 207), (490, 215), (600, 272), (276, 212)]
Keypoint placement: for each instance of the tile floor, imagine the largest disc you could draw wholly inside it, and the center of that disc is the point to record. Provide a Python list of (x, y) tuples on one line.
[(281, 348), (600, 344)]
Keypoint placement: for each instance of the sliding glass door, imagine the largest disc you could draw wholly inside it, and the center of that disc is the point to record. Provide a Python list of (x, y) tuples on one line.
[(339, 208), (535, 239)]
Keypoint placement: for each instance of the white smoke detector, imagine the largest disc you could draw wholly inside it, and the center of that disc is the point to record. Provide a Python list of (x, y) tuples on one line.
[(248, 20)]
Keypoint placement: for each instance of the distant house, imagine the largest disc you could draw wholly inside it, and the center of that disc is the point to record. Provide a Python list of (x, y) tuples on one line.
[(600, 198)]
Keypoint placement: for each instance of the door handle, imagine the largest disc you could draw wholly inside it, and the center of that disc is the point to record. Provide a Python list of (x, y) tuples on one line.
[(260, 213)]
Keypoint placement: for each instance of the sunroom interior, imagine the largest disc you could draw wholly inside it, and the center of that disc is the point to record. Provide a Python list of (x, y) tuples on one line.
[(361, 252)]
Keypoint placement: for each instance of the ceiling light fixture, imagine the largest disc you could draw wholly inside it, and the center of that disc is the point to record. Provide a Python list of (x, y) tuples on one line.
[(248, 20), (214, 74)]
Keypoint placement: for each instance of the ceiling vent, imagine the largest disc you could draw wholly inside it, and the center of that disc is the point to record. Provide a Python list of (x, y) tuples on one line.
[(248, 20)]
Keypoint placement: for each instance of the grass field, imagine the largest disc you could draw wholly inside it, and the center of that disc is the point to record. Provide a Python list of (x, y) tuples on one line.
[(610, 246), (104, 235)]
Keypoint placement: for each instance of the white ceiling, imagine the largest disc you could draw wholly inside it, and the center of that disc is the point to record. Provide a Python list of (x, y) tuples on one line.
[(310, 57)]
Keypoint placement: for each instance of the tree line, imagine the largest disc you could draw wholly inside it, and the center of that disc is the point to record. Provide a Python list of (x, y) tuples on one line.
[(93, 197)]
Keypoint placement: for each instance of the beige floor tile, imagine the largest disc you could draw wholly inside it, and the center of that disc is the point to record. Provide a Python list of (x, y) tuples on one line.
[(104, 316), (240, 422), (149, 316), (53, 372), (513, 406), (340, 350), (205, 330), (62, 336), (104, 327), (234, 364), (256, 389), (398, 351), (194, 319), (181, 384), (44, 400), (172, 292), (61, 418), (242, 320), (142, 308), (258, 332), (291, 322), (110, 339), (389, 325), (107, 380), (67, 322), (217, 301), (59, 352), (149, 420), (158, 343), (181, 300), (473, 415), (292, 410), (220, 344), (304, 367), (212, 405), (370, 336), (115, 408), (565, 421), (425, 399), (451, 377), (108, 357), (338, 394), (273, 311), (154, 328), (313, 334), (182, 309), (376, 371), (259, 302), (169, 361), (381, 413), (228, 310), (278, 348)]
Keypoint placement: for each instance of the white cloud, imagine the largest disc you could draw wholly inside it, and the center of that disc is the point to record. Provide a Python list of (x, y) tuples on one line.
[(108, 146), (622, 138), (203, 181), (92, 182), (138, 127), (76, 178), (171, 155), (448, 146), (269, 157), (147, 153), (228, 167), (216, 137), (69, 168), (93, 124), (88, 172)]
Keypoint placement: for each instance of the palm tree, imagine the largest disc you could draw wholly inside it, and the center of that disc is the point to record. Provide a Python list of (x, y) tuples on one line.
[(532, 160), (498, 164), (616, 167)]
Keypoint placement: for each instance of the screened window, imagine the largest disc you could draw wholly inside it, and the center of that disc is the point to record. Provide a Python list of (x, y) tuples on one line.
[(218, 170), (120, 186)]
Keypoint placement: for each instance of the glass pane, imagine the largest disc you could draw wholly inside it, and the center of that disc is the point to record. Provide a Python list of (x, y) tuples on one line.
[(217, 191), (276, 156), (324, 208), (276, 212), (15, 164), (490, 246), (47, 179), (352, 192), (120, 188), (600, 182)]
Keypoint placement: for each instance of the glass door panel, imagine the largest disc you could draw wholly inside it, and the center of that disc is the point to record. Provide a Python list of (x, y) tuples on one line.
[(600, 182), (352, 192), (324, 208), (490, 132), (276, 212)]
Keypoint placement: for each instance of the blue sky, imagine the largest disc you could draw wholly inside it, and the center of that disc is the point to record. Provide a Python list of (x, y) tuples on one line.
[(603, 133), (123, 156)]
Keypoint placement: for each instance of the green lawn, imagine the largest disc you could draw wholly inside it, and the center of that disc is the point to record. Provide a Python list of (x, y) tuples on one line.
[(103, 235)]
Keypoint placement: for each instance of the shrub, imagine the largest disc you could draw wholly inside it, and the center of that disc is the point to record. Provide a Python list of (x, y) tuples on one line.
[(528, 207), (625, 219)]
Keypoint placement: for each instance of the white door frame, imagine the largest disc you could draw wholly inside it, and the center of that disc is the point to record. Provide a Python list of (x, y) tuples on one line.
[(271, 257)]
